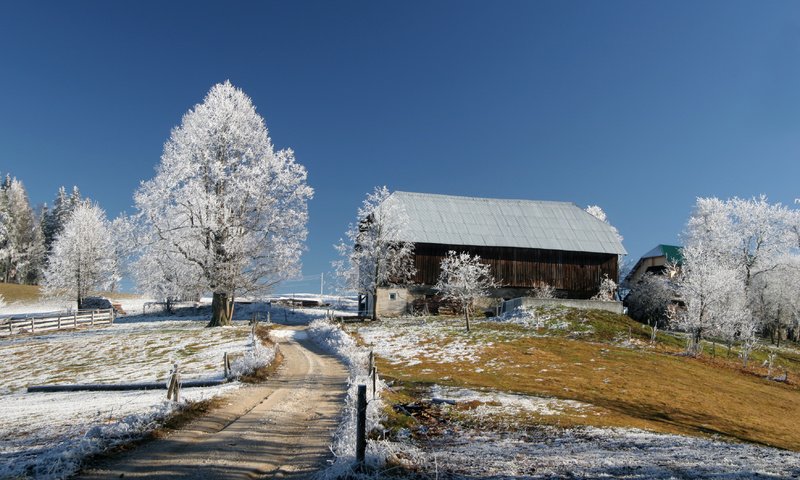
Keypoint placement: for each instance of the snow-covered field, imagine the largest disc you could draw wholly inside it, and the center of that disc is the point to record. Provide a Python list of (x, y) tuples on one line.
[(47, 435)]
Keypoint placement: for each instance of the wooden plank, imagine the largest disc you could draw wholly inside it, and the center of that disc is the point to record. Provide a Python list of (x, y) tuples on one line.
[(104, 387)]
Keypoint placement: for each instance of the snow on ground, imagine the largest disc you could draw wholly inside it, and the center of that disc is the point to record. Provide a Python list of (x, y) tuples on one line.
[(124, 352), (43, 306), (411, 340), (47, 435), (500, 403), (547, 318), (592, 453)]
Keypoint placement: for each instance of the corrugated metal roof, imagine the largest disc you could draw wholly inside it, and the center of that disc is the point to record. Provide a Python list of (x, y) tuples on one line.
[(494, 222)]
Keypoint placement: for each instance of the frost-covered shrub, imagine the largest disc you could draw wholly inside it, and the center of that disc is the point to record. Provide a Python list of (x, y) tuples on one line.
[(551, 318), (606, 290), (257, 356), (543, 290)]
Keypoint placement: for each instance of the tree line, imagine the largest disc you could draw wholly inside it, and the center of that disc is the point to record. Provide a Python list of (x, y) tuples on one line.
[(225, 213), (27, 233), (738, 281)]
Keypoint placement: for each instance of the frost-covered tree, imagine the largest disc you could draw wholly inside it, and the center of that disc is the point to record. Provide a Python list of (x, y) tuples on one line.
[(160, 274), (464, 279), (373, 256), (649, 301), (23, 248), (224, 202), (53, 219), (749, 235), (773, 297), (733, 244), (598, 213), (713, 293), (729, 245), (83, 257), (4, 220)]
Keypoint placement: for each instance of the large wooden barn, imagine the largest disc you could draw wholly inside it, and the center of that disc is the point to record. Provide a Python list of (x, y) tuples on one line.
[(527, 243)]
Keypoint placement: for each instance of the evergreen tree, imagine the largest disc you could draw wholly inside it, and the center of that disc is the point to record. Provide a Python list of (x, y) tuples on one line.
[(22, 252)]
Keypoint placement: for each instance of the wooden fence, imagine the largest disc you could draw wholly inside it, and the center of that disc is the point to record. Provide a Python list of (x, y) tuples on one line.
[(56, 321)]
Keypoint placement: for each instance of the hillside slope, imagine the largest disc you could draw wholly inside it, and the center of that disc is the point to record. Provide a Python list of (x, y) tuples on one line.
[(602, 360)]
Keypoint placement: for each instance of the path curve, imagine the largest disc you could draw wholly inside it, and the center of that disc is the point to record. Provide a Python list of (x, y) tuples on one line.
[(279, 429)]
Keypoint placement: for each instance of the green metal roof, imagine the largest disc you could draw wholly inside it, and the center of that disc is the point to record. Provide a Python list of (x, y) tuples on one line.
[(673, 253)]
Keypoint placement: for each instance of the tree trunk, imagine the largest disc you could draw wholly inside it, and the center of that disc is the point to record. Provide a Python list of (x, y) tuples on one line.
[(695, 343), (466, 315), (221, 310)]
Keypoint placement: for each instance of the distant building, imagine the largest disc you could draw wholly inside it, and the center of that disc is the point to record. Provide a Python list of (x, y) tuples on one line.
[(527, 243), (655, 261)]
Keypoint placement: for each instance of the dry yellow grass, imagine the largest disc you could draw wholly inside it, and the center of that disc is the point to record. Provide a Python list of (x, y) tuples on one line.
[(12, 292), (638, 385)]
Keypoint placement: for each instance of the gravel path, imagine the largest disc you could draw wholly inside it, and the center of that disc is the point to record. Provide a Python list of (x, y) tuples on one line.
[(279, 429)]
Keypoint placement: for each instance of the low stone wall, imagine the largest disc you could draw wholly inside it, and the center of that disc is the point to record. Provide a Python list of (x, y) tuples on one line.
[(530, 302)]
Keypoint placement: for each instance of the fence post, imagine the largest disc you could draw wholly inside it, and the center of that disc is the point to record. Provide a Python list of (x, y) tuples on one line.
[(174, 384), (33, 326), (92, 324), (75, 319), (177, 390), (361, 425), (59, 322), (374, 381), (371, 362), (225, 364), (113, 314)]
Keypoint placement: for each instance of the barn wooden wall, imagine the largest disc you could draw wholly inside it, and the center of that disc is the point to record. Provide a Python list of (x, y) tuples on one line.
[(575, 273)]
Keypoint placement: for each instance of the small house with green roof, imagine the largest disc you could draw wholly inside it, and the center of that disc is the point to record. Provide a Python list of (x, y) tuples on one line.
[(655, 261)]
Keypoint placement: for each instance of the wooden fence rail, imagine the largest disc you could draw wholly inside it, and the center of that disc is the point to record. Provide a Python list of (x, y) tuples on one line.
[(56, 321)]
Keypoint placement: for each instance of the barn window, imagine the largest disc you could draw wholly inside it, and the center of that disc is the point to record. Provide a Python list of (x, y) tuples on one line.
[(393, 296)]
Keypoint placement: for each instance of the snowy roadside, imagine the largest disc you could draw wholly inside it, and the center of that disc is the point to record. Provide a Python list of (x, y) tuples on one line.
[(333, 339), (48, 435)]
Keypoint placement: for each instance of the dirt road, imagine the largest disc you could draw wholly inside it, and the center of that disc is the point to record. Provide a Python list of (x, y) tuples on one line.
[(280, 429)]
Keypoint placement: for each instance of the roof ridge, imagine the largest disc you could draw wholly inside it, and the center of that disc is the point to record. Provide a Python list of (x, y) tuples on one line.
[(484, 198)]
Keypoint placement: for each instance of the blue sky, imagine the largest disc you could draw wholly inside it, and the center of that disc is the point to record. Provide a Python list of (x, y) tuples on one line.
[(637, 106)]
